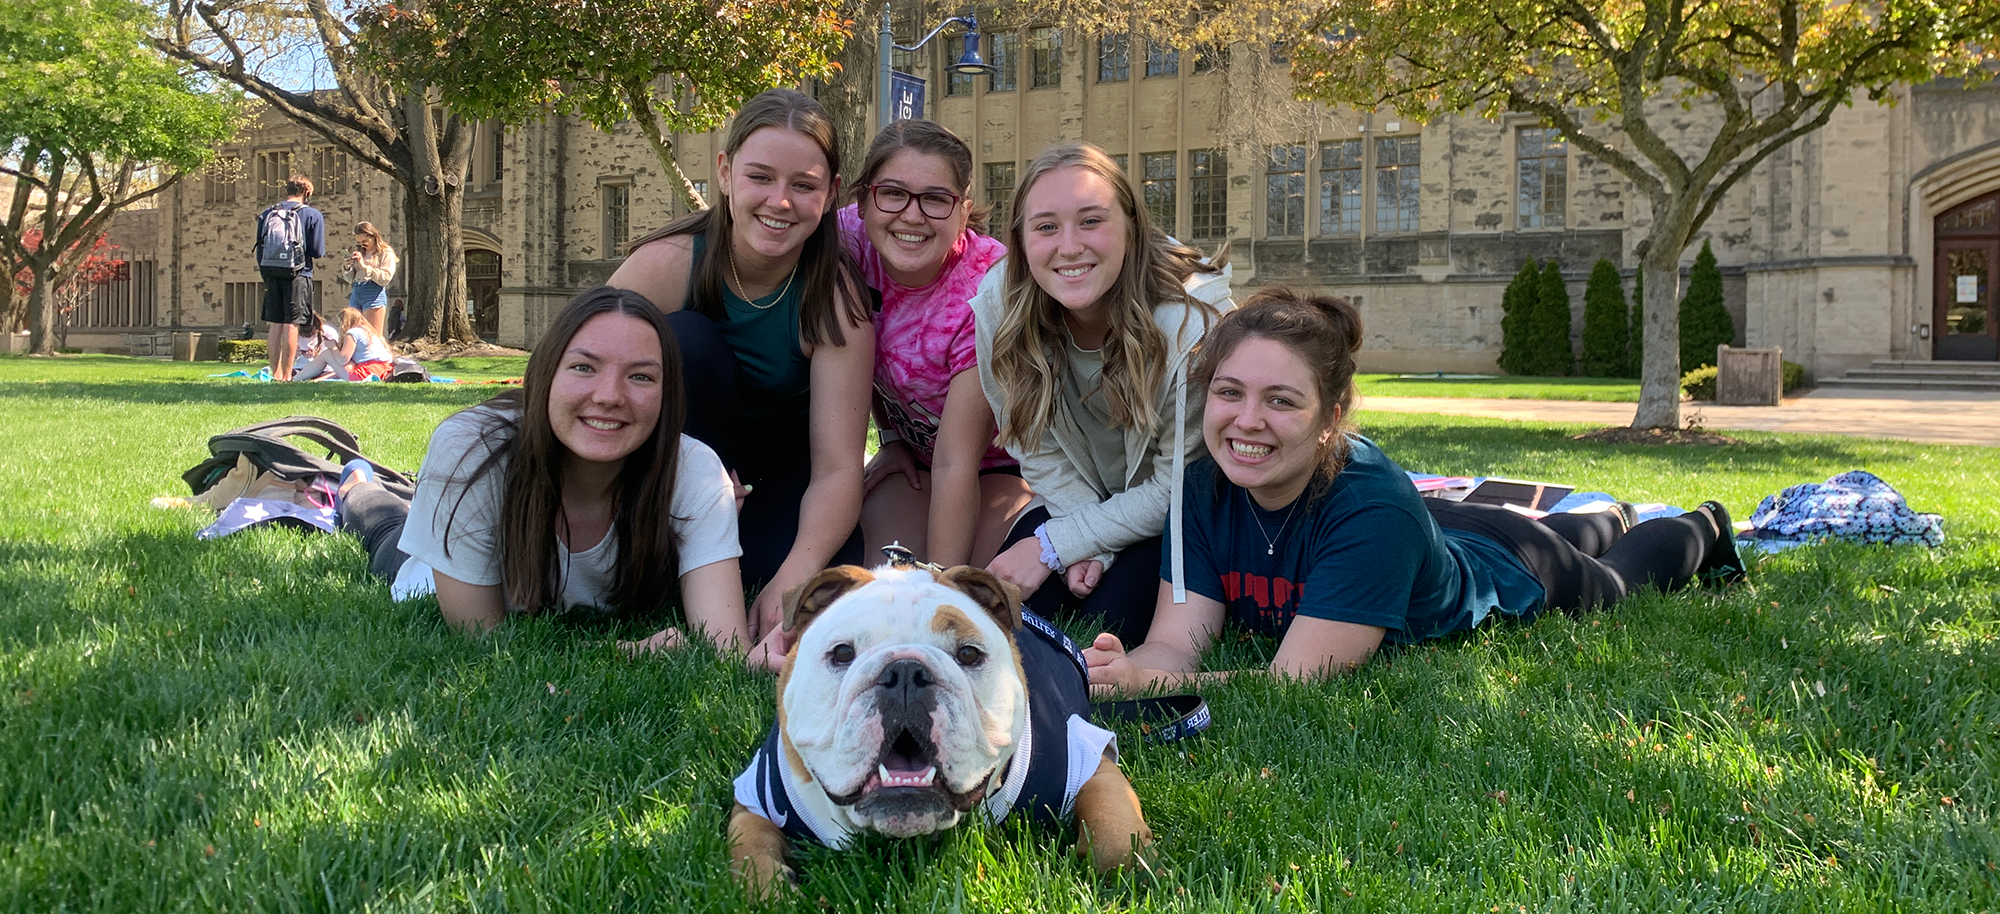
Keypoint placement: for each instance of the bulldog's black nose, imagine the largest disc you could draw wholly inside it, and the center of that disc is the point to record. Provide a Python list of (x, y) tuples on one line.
[(906, 681)]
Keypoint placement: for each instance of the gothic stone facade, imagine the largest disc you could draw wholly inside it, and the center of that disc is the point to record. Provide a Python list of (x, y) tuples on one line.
[(1843, 248)]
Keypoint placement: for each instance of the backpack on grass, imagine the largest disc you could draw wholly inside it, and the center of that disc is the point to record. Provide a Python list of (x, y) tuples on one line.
[(283, 244), (268, 448)]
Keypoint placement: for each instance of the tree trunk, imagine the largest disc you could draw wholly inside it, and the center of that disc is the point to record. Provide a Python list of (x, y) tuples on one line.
[(440, 149), (435, 267), (847, 95), (42, 308), (1660, 372)]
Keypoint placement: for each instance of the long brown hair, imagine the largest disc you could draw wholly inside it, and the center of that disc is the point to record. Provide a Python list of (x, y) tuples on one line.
[(1027, 350), (380, 243), (531, 458), (1324, 332), (830, 279), (930, 139)]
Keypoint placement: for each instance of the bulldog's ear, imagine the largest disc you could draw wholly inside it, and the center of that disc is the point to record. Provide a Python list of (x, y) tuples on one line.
[(999, 598), (806, 600)]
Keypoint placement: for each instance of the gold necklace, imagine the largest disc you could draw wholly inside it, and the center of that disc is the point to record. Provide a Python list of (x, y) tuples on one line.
[(745, 291)]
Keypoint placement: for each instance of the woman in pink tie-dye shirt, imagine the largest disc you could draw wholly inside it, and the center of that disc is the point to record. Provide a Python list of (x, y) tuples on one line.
[(939, 484)]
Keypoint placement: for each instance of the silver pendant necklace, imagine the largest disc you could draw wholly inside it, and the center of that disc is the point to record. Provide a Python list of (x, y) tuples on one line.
[(1270, 540)]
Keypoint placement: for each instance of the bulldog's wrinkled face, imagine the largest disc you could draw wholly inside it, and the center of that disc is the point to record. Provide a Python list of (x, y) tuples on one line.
[(903, 697)]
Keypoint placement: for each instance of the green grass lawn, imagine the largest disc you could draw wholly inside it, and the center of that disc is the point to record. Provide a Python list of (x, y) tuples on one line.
[(250, 724), (1607, 390)]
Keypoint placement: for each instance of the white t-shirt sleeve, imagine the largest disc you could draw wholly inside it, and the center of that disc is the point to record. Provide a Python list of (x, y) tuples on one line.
[(704, 509), (473, 553)]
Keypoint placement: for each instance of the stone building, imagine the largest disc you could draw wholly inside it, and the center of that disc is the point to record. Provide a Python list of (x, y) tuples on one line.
[(1875, 237)]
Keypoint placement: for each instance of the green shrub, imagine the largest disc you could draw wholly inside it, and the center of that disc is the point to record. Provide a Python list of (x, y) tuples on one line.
[(1551, 355), (1795, 375), (1699, 384), (1705, 321), (1517, 309), (69, 350), (242, 350), (1604, 327)]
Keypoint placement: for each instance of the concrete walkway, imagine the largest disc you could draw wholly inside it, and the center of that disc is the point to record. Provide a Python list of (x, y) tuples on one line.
[(1940, 417)]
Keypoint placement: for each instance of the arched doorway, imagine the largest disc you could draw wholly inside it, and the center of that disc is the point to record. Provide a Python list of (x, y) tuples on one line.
[(1966, 302), (482, 292)]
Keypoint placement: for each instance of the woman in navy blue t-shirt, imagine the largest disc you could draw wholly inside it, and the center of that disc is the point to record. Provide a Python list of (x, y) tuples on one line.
[(1298, 528)]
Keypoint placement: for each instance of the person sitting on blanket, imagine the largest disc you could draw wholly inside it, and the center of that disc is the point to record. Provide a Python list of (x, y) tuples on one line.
[(1352, 556), (578, 489)]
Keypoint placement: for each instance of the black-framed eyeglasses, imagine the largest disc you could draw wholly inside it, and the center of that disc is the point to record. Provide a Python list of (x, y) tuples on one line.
[(892, 199)]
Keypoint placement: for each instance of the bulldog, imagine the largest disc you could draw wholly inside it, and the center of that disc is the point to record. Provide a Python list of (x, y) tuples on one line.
[(912, 697)]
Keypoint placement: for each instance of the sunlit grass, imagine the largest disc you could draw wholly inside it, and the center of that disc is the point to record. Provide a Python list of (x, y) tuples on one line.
[(250, 724)]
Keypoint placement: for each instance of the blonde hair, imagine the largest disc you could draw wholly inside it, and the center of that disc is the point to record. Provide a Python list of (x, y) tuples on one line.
[(351, 318), (1027, 350)]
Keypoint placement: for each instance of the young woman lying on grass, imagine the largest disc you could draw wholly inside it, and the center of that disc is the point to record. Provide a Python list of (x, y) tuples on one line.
[(576, 490), (1300, 529)]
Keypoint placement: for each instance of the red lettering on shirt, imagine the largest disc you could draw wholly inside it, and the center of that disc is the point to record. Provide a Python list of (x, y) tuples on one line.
[(1232, 586), (1281, 592), (1260, 589)]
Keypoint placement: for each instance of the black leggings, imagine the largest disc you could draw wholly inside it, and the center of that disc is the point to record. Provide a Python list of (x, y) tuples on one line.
[(1124, 597), (1582, 560), (376, 516), (762, 437)]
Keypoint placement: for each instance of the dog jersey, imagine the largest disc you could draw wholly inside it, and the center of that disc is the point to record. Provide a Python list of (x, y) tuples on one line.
[(1059, 749)]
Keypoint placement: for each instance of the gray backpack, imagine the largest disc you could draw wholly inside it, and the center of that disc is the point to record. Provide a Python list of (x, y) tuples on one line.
[(284, 244)]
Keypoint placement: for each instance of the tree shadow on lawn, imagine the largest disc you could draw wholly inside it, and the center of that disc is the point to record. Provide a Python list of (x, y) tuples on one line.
[(202, 711), (295, 397), (1482, 447)]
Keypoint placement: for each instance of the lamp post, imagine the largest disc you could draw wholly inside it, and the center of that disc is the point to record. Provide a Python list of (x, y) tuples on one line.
[(969, 62)]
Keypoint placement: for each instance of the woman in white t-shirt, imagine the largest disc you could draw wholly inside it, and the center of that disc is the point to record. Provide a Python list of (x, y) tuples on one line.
[(366, 353), (577, 490)]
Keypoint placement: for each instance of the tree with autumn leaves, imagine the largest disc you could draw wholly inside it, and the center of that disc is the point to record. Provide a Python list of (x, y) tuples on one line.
[(666, 66), (92, 121), (1615, 76)]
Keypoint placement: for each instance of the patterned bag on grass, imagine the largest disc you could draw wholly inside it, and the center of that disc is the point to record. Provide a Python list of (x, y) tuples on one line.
[(1856, 506)]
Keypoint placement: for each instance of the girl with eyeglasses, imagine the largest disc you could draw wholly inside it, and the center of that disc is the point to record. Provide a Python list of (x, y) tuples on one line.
[(939, 485)]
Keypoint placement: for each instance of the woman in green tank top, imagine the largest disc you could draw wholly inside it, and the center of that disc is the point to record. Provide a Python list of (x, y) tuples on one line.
[(775, 335)]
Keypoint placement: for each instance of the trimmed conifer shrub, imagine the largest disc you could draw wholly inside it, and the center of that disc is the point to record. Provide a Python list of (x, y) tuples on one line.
[(1517, 308), (1553, 356), (1705, 321), (1604, 324)]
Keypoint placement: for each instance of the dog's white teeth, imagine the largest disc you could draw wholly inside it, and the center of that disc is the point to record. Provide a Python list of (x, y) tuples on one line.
[(924, 778)]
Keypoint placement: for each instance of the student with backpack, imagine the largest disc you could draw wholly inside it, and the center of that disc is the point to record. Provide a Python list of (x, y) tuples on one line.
[(290, 235)]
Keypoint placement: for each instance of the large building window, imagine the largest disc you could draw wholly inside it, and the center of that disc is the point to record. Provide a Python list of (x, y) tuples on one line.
[(242, 303), (1005, 60), (1114, 58), (1162, 172), (274, 168), (1045, 64), (999, 194), (617, 200), (329, 170), (1209, 58), (218, 181), (1285, 192), (1208, 193), (1340, 187), (1397, 175), (1162, 60), (1541, 172), (956, 84)]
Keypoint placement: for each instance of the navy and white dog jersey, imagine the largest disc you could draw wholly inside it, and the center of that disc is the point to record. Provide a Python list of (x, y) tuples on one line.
[(1058, 751)]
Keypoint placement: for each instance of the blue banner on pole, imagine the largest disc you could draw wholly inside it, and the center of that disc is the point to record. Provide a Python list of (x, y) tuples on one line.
[(906, 97)]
